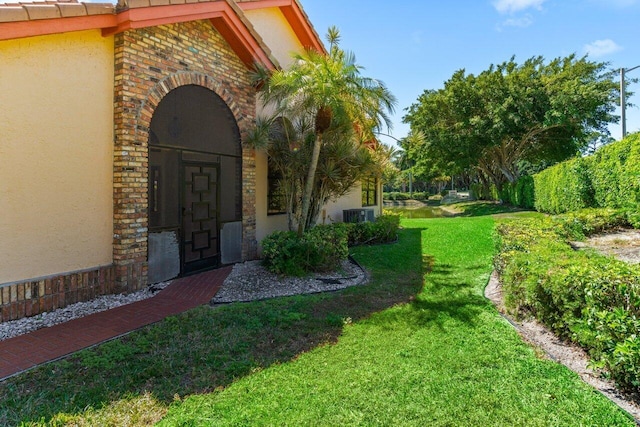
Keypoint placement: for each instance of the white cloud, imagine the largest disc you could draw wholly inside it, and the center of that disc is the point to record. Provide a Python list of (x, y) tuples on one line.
[(523, 22), (512, 6), (601, 48)]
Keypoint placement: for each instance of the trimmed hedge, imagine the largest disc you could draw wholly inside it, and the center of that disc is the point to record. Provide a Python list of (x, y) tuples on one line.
[(564, 187), (589, 298), (610, 178), (482, 192), (616, 179), (519, 193)]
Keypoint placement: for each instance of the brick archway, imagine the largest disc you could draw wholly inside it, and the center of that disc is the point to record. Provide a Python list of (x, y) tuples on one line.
[(162, 88), (192, 53)]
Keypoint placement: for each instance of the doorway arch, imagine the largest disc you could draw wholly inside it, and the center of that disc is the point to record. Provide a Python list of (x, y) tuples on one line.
[(195, 184)]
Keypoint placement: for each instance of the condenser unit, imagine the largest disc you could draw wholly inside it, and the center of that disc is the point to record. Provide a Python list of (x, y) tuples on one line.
[(357, 215)]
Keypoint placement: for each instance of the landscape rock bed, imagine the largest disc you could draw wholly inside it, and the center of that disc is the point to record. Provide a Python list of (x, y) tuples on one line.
[(250, 281)]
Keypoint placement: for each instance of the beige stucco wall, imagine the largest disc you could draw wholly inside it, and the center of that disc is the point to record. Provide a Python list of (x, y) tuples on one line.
[(56, 155), (277, 34), (265, 224)]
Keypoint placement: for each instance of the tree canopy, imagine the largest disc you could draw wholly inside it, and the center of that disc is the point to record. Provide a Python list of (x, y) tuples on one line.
[(512, 117)]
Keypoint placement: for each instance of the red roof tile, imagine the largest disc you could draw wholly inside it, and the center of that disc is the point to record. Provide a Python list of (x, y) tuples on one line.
[(48, 9)]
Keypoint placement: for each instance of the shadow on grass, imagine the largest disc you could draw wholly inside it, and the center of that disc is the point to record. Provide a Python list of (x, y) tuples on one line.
[(208, 348), (486, 208), (445, 298)]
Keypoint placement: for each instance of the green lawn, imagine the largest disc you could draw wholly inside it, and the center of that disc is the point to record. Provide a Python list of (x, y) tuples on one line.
[(419, 345)]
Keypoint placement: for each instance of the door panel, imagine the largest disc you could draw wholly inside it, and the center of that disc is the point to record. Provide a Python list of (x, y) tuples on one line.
[(200, 242)]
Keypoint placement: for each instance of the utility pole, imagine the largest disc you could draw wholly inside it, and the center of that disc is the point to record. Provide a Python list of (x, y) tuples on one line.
[(623, 106)]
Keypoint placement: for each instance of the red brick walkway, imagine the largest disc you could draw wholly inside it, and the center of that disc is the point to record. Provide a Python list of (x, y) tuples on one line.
[(44, 345)]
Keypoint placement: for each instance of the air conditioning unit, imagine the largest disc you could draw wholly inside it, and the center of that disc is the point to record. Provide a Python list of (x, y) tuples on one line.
[(358, 215)]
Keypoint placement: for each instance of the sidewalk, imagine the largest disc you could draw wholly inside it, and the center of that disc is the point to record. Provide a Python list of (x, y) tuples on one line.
[(44, 345)]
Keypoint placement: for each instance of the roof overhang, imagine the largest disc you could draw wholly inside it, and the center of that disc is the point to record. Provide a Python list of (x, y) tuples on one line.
[(225, 15)]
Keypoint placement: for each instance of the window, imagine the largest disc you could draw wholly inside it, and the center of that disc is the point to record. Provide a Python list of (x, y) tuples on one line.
[(369, 191), (276, 200)]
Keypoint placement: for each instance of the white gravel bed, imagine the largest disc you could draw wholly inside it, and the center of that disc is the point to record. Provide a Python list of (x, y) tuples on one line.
[(14, 328), (250, 281)]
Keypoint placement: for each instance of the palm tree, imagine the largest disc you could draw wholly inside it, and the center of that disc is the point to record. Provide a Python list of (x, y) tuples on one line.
[(327, 89)]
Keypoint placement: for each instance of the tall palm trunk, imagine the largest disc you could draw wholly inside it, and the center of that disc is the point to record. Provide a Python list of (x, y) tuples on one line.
[(308, 187)]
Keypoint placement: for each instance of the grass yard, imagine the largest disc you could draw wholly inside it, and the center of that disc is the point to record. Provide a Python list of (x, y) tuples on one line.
[(419, 345)]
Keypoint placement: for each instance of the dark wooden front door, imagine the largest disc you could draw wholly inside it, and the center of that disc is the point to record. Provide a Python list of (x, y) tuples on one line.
[(200, 217)]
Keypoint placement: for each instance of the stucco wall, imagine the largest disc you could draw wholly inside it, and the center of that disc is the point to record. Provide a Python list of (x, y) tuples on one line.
[(56, 138), (276, 33)]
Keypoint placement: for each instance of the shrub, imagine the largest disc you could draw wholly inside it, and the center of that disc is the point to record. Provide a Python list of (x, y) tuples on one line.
[(581, 295), (519, 193), (585, 222), (319, 249), (483, 192), (323, 247), (395, 195), (383, 230), (610, 178)]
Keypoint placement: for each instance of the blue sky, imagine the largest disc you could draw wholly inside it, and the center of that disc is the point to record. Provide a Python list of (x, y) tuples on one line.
[(413, 45)]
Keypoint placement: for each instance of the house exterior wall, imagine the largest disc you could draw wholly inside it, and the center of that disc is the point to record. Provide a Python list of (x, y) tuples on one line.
[(274, 29), (56, 139), (150, 62)]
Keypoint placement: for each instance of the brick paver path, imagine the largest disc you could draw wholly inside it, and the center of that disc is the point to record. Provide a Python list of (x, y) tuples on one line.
[(44, 345)]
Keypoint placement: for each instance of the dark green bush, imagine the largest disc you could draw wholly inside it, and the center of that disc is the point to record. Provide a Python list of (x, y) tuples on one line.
[(319, 249), (395, 195), (519, 193), (581, 295), (323, 247), (383, 230)]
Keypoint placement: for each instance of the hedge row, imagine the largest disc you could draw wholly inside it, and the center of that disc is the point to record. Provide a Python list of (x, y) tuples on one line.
[(610, 178), (519, 193), (398, 195), (581, 295)]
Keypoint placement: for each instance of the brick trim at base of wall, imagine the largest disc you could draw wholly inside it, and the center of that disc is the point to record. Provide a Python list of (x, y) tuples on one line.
[(25, 299)]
